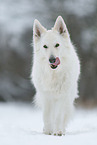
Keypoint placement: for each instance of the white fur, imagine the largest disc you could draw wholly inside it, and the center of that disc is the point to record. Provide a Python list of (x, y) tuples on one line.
[(56, 88)]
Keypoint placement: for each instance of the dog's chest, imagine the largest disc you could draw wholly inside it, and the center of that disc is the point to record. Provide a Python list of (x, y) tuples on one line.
[(52, 81)]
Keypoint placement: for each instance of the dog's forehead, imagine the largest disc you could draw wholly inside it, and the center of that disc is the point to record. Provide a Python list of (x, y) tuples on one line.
[(51, 36), (51, 33)]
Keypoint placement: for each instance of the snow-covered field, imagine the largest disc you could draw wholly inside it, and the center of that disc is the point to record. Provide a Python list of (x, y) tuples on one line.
[(22, 125)]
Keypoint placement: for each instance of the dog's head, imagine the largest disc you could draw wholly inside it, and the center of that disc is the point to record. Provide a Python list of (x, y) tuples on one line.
[(51, 45)]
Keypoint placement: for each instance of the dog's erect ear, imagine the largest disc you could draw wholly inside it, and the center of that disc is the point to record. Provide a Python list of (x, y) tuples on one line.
[(38, 29), (60, 25)]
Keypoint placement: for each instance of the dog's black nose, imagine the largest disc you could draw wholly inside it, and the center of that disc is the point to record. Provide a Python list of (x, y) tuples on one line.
[(52, 59)]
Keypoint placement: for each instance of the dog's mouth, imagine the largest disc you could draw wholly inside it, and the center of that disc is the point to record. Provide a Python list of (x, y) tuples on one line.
[(55, 64)]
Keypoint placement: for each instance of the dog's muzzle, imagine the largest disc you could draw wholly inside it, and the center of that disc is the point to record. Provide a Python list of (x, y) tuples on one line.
[(54, 62)]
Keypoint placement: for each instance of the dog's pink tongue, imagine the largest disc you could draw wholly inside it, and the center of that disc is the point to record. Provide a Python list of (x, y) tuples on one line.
[(57, 62)]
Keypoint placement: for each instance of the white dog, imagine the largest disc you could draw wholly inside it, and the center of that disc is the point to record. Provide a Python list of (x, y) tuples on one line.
[(55, 74)]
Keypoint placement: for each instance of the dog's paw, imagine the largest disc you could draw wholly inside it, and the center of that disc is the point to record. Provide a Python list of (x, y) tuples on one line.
[(47, 132), (58, 133)]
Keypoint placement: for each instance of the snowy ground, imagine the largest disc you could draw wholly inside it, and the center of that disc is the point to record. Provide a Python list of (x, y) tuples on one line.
[(22, 125)]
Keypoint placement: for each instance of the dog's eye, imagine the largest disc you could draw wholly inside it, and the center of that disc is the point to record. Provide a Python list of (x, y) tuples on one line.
[(57, 45), (45, 46)]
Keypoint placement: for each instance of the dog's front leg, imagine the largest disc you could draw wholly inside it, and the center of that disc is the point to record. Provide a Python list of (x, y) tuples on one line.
[(47, 117), (62, 114)]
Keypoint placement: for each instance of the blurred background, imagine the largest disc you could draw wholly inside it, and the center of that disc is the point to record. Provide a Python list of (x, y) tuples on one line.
[(16, 21)]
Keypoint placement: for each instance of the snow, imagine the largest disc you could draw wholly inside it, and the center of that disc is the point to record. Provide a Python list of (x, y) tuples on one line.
[(87, 37), (22, 125), (80, 8), (17, 15)]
